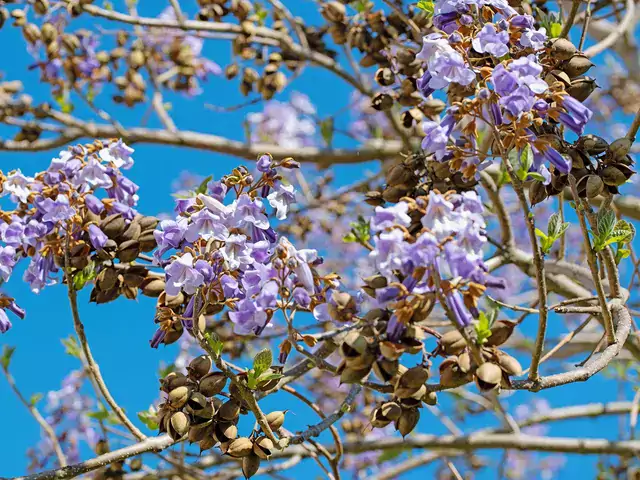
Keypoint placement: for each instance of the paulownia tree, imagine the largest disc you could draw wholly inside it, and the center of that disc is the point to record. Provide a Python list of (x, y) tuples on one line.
[(497, 206)]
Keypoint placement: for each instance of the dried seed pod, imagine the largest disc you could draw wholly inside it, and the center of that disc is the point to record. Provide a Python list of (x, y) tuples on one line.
[(250, 466), (207, 443), (593, 144), (113, 226), (385, 76), (385, 369), (509, 365), (172, 381), (595, 186), (374, 198), (581, 88), (500, 332), (199, 432), (430, 398), (229, 410), (240, 447), (453, 342), (612, 176), (464, 362), (620, 148), (488, 376), (334, 12), (407, 421), (382, 101), (391, 411), (378, 420), (199, 367), (577, 65), (179, 426), (562, 49), (450, 373), (411, 380), (262, 447), (349, 375), (225, 432), (276, 419), (132, 232), (152, 286), (212, 384), (178, 396), (537, 192), (128, 251)]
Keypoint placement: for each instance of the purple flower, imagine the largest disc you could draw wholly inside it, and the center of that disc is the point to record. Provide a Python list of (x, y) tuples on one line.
[(13, 233), (519, 102), (248, 318), (534, 38), (268, 296), (57, 210), (504, 82), (94, 174), (431, 45), (119, 154), (299, 261), (395, 329), (205, 269), (281, 198), (389, 251), (18, 186), (206, 225), (94, 204), (97, 237), (456, 304), (562, 163), (301, 297), (576, 116), (182, 275), (38, 273), (171, 235), (423, 84), (528, 71), (264, 163), (236, 251), (521, 21), (248, 213), (217, 190), (489, 40), (388, 217), (437, 136), (5, 323), (7, 262), (449, 67)]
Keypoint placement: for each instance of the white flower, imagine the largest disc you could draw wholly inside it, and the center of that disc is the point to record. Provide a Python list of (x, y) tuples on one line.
[(281, 198), (18, 185)]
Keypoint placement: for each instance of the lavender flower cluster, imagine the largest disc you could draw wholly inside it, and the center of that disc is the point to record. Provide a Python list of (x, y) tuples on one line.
[(229, 255), (431, 239), (64, 200), (487, 49)]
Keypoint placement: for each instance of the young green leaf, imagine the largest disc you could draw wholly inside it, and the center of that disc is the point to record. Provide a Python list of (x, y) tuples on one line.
[(35, 398), (426, 6), (214, 342), (606, 221), (327, 130), (72, 347), (5, 358), (149, 418), (202, 188), (262, 362)]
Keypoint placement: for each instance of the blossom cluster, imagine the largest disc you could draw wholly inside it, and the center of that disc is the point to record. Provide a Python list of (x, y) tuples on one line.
[(444, 247), (227, 254), (66, 200), (506, 65)]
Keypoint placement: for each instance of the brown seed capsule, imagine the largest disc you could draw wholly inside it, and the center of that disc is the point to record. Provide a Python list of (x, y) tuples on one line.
[(225, 432), (262, 447), (595, 186), (152, 287), (212, 384), (620, 148), (179, 425), (385, 76), (276, 419), (391, 411), (407, 421), (128, 251), (229, 410), (613, 176), (577, 65), (562, 49), (430, 398), (488, 376), (349, 375), (510, 365), (199, 367), (250, 466), (385, 369), (207, 443), (453, 342), (581, 88), (113, 226), (413, 378), (378, 420), (173, 380), (593, 144), (537, 192), (199, 432), (557, 76), (178, 396), (240, 447), (334, 12), (500, 332), (132, 232), (374, 198), (382, 101)]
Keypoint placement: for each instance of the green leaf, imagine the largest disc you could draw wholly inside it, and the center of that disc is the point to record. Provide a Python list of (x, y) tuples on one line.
[(349, 238), (214, 342), (149, 418), (535, 176), (101, 414), (81, 278), (555, 30), (268, 376), (72, 347), (5, 359), (483, 328), (606, 221), (262, 362), (202, 188), (426, 6), (526, 158), (35, 398), (327, 130)]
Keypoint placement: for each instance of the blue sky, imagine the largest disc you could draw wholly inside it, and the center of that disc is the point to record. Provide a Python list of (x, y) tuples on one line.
[(119, 331)]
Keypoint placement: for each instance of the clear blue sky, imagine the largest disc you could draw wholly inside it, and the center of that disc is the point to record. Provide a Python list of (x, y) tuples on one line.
[(119, 331)]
